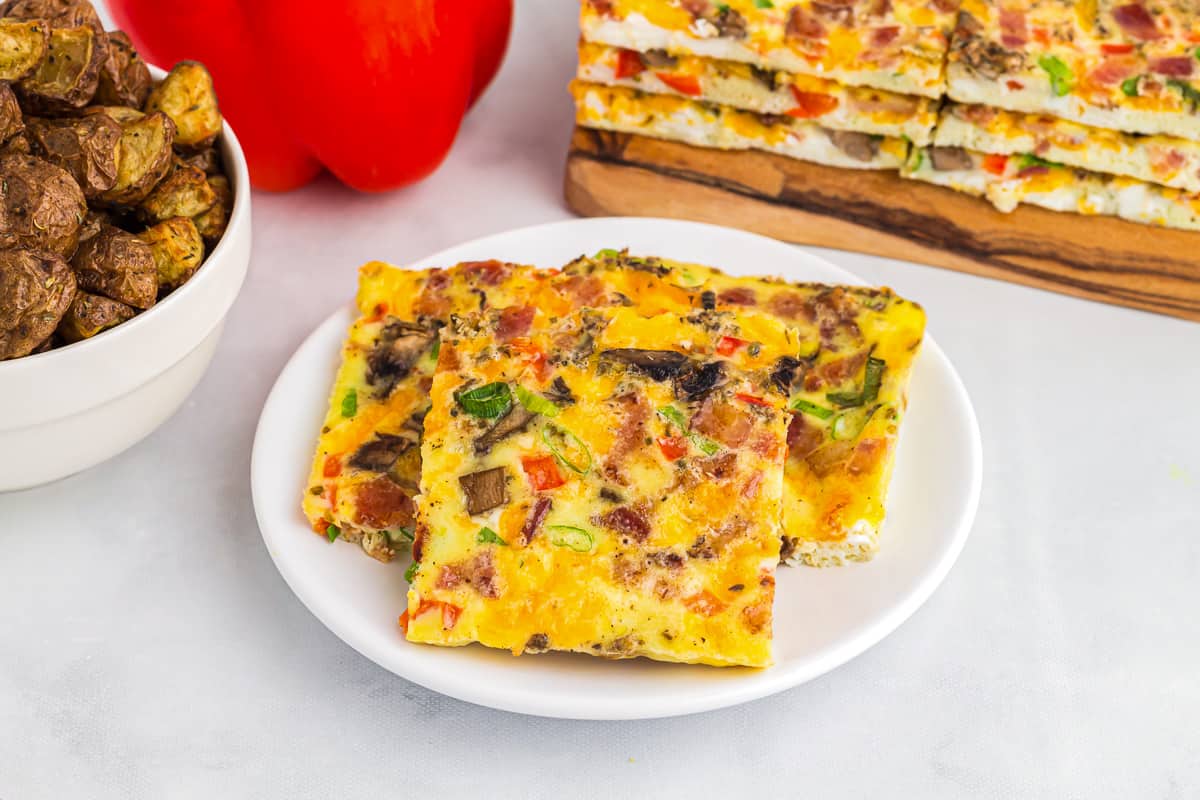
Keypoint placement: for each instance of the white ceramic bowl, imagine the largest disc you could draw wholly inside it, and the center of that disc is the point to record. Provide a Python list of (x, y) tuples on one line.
[(69, 409)]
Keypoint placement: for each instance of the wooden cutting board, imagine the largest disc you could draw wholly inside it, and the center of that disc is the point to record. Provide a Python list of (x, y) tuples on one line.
[(875, 212)]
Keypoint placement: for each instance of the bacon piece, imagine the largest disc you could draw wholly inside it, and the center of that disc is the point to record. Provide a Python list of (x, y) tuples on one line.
[(1174, 66), (801, 24), (946, 6), (765, 445), (882, 37), (514, 322), (728, 423), (382, 503), (489, 273), (757, 617), (705, 603), (738, 296), (879, 8), (789, 305), (632, 411), (1112, 71), (585, 290), (802, 437), (480, 572), (449, 577), (1013, 33), (878, 101), (835, 372), (1032, 170), (541, 507), (837, 11), (720, 466), (624, 519), (1136, 21), (867, 456), (750, 489)]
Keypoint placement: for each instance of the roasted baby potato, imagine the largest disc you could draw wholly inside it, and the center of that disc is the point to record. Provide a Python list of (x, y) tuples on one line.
[(87, 147), (36, 289), (60, 13), (212, 222), (183, 193), (145, 157), (187, 96), (24, 45), (17, 144), (90, 314), (122, 114), (67, 78), (11, 121), (208, 160), (177, 249), (124, 77), (41, 206), (118, 265)]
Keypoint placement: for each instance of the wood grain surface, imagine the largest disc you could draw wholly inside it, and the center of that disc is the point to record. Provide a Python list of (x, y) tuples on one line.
[(1099, 258)]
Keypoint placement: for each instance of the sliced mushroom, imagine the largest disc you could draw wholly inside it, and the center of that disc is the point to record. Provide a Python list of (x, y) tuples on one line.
[(381, 453), (484, 490), (783, 374), (658, 59), (559, 392), (699, 381), (658, 364), (949, 159), (859, 146), (516, 419), (399, 346)]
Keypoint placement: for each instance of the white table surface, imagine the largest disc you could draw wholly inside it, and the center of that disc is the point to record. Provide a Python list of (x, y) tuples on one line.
[(149, 649)]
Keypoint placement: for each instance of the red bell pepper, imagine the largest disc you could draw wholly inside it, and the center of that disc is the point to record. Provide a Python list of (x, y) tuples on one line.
[(372, 90)]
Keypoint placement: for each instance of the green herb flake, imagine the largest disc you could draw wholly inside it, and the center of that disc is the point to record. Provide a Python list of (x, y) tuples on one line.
[(489, 401), (350, 404), (572, 538), (763, 4), (437, 348), (536, 403), (1130, 86), (608, 252), (488, 536), (1028, 160), (812, 409), (723, 8), (1060, 74), (411, 572), (333, 532)]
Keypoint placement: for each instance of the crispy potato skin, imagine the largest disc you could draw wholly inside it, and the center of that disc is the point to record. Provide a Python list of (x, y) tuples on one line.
[(84, 146), (41, 206), (187, 96), (90, 314), (67, 79), (177, 249), (145, 157), (208, 160), (122, 114), (212, 223), (124, 77), (183, 193), (36, 289), (118, 265), (11, 120), (24, 45), (61, 13)]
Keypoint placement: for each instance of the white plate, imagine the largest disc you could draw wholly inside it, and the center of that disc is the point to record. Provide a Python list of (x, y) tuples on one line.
[(823, 618)]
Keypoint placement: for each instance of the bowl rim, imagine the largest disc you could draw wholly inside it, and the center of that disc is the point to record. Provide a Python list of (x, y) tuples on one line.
[(239, 218)]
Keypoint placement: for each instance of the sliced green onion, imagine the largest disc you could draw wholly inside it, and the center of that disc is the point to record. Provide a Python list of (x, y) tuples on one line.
[(437, 348), (350, 404), (1060, 74), (536, 403), (845, 399), (812, 409), (1190, 93), (400, 535), (572, 538), (607, 252), (675, 417), (873, 379), (489, 401), (1030, 160), (849, 424), (568, 448), (488, 536), (411, 572), (1130, 86), (763, 4), (688, 279), (333, 532)]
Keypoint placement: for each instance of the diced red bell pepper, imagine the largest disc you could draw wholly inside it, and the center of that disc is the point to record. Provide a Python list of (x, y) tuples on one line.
[(811, 104), (752, 400), (995, 164), (333, 467), (542, 472), (673, 447), (684, 84), (629, 63), (729, 345)]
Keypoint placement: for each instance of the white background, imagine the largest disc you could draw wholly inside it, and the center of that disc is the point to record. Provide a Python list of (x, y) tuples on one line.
[(148, 648)]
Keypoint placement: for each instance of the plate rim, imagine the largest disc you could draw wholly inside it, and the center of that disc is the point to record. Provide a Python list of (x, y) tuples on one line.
[(720, 695)]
